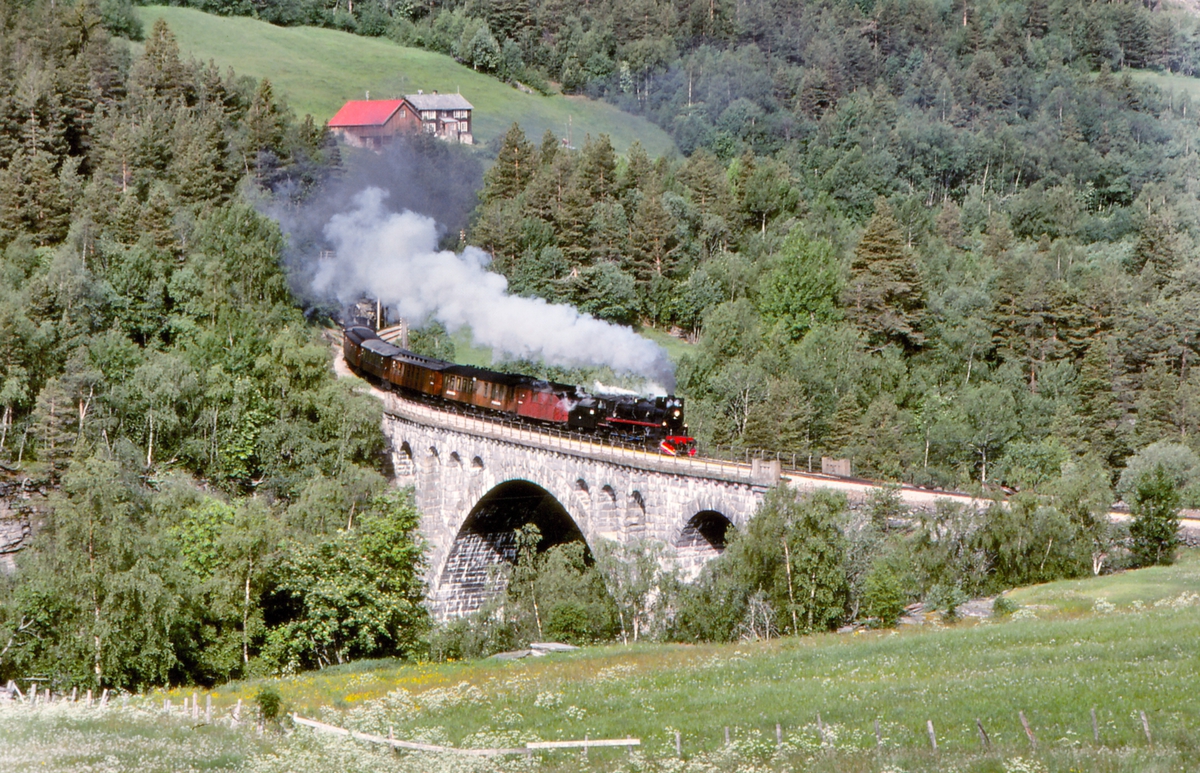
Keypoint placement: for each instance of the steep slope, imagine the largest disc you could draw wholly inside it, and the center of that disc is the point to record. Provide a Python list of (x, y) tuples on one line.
[(318, 69)]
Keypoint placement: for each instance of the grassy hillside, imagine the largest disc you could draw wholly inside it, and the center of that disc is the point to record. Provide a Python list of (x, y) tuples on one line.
[(319, 69), (1169, 83), (1053, 660)]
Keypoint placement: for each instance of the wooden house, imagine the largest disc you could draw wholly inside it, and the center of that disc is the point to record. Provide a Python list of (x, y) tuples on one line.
[(369, 123), (443, 115)]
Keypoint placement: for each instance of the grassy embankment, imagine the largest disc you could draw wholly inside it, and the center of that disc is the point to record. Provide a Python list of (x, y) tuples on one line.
[(1121, 644), (317, 70)]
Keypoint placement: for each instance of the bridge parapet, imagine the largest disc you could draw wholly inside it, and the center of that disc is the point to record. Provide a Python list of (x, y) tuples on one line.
[(760, 473)]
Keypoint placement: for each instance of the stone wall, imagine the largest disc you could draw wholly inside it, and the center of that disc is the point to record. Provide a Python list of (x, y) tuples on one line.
[(20, 507)]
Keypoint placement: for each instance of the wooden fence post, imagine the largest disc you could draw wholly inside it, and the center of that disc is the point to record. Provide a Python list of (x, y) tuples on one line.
[(983, 736), (195, 707), (1028, 731), (1146, 728), (778, 736), (104, 697), (678, 746), (878, 736), (727, 735), (1095, 727), (932, 735), (89, 698), (237, 712), (208, 709)]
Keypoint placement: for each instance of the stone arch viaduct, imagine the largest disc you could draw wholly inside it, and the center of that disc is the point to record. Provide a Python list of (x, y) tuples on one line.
[(476, 481)]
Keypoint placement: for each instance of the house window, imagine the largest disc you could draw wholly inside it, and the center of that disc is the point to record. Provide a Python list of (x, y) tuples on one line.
[(428, 115), (403, 112), (460, 113)]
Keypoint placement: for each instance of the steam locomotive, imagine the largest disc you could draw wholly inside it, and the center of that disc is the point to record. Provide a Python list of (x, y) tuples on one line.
[(655, 421)]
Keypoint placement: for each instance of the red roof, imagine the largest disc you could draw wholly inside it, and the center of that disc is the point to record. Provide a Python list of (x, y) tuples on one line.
[(371, 112)]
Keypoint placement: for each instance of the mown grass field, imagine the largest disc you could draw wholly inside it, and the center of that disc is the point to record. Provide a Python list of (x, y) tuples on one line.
[(1169, 83), (1131, 647), (317, 70)]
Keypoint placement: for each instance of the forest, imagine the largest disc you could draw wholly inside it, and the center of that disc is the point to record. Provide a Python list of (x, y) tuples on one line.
[(952, 243)]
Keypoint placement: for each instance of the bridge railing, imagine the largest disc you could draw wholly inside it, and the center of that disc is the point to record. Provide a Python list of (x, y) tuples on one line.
[(589, 446)]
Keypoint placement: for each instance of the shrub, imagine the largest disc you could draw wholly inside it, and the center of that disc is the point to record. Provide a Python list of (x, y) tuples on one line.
[(569, 622), (883, 597), (1155, 527), (270, 703), (945, 599), (1004, 606), (478, 636)]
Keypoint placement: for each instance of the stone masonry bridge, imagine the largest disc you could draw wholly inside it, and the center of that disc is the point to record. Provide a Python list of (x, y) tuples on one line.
[(477, 481)]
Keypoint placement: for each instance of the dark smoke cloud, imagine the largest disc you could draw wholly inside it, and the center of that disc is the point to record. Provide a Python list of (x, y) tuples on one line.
[(393, 257), (392, 253), (422, 174)]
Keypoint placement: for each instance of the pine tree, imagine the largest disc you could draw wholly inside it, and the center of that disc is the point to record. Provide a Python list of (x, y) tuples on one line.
[(264, 121), (156, 224), (54, 426), (514, 167), (198, 166), (609, 231), (884, 296), (160, 74), (32, 200), (705, 179), (1094, 423), (1156, 253), (573, 218), (653, 241), (597, 168), (549, 149), (637, 174)]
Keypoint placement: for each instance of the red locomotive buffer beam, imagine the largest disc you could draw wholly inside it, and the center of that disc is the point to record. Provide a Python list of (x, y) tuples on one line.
[(678, 445)]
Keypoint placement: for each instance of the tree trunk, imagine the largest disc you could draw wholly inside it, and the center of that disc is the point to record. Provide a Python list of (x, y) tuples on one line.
[(787, 557), (246, 613)]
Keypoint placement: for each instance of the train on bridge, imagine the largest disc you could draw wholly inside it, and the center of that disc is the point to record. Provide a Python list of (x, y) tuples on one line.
[(657, 422)]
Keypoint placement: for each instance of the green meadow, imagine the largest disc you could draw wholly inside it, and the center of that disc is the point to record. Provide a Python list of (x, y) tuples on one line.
[(317, 70), (1130, 648)]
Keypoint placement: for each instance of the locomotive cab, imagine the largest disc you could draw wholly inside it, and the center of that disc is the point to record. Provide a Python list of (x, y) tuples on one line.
[(587, 414)]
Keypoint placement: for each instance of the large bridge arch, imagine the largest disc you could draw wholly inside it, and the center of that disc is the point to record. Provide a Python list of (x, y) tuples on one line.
[(486, 541)]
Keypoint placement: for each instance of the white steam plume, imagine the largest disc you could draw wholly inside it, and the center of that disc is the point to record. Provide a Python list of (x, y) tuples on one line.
[(394, 257)]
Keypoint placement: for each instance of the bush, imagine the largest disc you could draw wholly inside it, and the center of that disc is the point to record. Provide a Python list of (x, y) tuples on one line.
[(883, 597), (569, 622), (1004, 606), (270, 704), (478, 636), (945, 599), (1154, 530)]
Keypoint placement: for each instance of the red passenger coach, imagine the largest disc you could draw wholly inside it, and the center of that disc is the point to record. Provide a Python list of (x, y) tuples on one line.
[(652, 421), (542, 404)]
